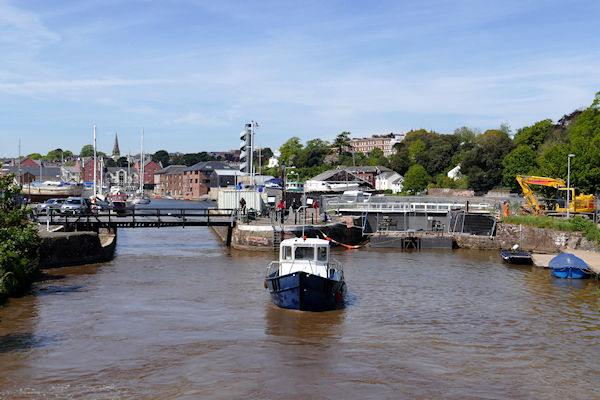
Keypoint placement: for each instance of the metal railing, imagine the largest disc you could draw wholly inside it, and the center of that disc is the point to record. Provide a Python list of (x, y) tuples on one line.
[(412, 204), (332, 267)]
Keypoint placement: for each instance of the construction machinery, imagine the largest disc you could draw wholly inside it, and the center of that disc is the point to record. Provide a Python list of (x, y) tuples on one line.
[(565, 196)]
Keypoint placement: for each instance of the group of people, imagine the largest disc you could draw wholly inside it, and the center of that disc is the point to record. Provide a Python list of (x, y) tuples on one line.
[(281, 206)]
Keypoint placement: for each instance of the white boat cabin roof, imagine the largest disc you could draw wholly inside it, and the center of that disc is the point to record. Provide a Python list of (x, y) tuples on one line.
[(304, 242)]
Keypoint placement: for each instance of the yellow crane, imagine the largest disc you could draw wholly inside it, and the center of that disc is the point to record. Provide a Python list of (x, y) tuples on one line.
[(577, 202)]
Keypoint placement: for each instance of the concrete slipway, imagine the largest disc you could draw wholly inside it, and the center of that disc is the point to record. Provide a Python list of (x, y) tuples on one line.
[(592, 259)]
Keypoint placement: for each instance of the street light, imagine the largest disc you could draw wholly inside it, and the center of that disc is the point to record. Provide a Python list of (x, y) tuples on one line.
[(569, 184)]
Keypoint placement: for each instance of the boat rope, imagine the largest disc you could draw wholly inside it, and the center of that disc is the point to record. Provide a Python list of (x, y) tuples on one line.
[(348, 246)]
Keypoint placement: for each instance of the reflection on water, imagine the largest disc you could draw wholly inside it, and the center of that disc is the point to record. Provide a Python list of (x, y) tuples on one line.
[(178, 315), (25, 341), (302, 325)]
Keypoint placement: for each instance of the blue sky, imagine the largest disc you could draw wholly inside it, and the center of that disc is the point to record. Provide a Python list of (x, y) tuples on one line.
[(191, 73)]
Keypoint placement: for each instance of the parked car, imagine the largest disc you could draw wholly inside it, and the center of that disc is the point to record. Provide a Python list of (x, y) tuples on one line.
[(50, 204), (76, 205)]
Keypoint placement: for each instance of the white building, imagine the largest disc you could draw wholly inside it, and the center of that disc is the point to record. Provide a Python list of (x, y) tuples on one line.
[(454, 173), (389, 181), (274, 161)]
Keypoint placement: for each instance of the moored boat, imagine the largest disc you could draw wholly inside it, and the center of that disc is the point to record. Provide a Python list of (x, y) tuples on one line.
[(514, 256), (41, 191), (568, 265), (305, 278)]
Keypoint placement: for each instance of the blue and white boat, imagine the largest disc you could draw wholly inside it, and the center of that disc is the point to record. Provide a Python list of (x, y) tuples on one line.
[(514, 256), (305, 278), (568, 265)]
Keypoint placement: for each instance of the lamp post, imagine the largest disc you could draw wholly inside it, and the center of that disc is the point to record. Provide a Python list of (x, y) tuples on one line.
[(569, 184)]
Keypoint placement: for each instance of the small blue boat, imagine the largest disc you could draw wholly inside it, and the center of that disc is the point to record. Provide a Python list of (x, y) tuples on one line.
[(568, 265), (305, 278)]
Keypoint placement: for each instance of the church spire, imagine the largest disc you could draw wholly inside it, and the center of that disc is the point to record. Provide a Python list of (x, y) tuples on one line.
[(116, 151)]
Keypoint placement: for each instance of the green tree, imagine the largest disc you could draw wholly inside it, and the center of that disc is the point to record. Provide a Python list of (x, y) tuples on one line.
[(342, 142), (87, 151), (54, 155), (109, 162), (533, 136), (19, 241), (584, 137), (35, 156), (317, 144), (400, 161), (122, 162), (161, 156), (520, 161), (483, 164), (289, 150), (376, 158), (416, 179), (416, 149)]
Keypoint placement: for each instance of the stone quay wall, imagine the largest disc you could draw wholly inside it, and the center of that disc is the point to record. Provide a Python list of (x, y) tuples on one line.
[(529, 238), (61, 249), (262, 237)]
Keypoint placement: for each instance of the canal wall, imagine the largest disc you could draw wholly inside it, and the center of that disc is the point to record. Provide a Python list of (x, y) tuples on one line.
[(528, 238), (257, 237), (61, 249)]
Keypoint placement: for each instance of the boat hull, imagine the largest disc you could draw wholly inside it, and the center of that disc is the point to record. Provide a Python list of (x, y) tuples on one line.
[(521, 257), (572, 273), (305, 292)]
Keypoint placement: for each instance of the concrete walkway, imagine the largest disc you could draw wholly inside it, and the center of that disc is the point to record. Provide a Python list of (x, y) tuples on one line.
[(592, 259)]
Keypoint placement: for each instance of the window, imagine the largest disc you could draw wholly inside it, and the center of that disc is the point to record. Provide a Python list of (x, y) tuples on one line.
[(196, 181), (287, 253), (322, 253), (304, 253)]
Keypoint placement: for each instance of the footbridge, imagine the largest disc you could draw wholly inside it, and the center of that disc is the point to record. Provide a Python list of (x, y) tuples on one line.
[(141, 218)]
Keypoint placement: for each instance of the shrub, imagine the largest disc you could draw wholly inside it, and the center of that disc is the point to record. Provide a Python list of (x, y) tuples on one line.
[(19, 241)]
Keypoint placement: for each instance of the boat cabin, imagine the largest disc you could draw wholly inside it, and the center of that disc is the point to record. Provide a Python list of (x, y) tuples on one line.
[(304, 255)]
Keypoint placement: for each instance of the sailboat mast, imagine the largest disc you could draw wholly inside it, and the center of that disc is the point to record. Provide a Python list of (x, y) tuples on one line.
[(95, 171), (142, 165)]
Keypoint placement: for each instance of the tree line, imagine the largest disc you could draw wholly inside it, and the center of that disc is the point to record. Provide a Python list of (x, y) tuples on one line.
[(489, 160)]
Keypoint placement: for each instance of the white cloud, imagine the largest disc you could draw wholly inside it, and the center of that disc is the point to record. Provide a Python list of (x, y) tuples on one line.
[(36, 87), (195, 118)]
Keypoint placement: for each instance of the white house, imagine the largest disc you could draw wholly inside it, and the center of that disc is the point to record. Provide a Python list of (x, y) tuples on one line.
[(390, 180), (454, 173), (274, 161)]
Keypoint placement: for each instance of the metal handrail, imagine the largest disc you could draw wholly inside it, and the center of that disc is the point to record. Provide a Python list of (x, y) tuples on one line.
[(332, 265)]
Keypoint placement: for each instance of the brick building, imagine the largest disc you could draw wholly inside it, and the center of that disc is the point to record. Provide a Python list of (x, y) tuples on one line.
[(384, 142), (169, 181), (196, 179)]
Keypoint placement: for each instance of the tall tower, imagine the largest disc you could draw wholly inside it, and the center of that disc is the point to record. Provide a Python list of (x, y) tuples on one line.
[(116, 153)]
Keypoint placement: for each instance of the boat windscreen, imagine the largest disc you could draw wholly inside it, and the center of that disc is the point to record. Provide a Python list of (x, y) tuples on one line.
[(304, 253)]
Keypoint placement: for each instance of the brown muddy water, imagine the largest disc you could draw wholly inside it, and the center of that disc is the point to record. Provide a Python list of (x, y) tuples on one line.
[(176, 315)]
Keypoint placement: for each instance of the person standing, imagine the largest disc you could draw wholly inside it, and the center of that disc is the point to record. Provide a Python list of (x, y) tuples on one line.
[(243, 205)]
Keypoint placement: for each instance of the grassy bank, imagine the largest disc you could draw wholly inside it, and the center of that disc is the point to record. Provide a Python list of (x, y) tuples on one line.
[(575, 224)]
